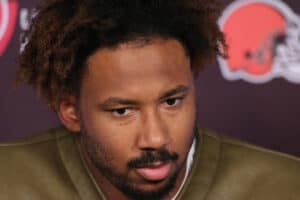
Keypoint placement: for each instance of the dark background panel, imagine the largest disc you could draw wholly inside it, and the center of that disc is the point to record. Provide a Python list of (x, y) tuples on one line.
[(264, 114), (21, 113)]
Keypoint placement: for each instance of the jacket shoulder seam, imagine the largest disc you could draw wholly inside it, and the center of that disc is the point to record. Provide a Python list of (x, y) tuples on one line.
[(36, 139), (258, 149), (227, 140)]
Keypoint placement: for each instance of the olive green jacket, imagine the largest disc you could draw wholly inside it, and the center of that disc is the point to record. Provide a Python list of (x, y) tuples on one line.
[(50, 166)]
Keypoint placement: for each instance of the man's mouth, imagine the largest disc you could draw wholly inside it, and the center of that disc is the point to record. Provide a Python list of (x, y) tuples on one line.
[(156, 171)]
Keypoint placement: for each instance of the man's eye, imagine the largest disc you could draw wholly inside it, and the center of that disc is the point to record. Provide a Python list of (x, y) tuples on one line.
[(120, 112), (173, 101)]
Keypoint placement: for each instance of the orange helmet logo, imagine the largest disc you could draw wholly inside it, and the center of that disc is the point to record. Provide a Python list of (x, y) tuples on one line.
[(263, 37)]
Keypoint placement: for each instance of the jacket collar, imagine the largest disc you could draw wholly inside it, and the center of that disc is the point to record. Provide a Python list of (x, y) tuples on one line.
[(204, 168)]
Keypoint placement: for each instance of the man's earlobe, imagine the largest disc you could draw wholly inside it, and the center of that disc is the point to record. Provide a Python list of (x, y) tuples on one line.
[(69, 115)]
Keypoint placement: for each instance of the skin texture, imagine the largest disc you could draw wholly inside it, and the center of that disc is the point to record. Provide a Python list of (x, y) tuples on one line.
[(135, 98)]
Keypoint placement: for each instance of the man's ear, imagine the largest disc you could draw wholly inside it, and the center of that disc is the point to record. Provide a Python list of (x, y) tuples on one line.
[(68, 114)]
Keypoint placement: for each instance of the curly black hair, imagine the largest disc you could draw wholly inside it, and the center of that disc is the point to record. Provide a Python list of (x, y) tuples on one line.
[(64, 33)]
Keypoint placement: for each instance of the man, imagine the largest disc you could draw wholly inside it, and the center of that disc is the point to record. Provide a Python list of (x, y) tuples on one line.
[(120, 76)]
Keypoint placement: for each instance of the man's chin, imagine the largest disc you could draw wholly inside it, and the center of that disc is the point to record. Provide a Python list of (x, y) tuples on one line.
[(150, 188)]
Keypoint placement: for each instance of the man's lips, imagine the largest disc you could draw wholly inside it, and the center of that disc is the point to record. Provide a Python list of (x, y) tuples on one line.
[(155, 172)]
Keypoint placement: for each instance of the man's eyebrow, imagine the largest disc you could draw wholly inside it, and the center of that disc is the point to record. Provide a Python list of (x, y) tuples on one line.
[(176, 90), (113, 101)]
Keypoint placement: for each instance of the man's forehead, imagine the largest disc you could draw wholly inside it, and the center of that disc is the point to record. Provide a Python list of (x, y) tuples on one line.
[(128, 59), (129, 71)]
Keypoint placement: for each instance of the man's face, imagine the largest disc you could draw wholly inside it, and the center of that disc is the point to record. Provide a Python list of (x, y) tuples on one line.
[(137, 112)]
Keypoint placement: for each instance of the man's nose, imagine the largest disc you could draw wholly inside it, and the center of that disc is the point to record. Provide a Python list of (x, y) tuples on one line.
[(154, 131)]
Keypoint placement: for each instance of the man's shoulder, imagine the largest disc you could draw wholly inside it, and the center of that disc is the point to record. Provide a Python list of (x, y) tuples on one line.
[(33, 151), (34, 167), (243, 169), (247, 151), (50, 135), (37, 149)]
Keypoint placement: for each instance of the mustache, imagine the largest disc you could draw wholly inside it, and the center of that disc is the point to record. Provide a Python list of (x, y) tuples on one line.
[(150, 156)]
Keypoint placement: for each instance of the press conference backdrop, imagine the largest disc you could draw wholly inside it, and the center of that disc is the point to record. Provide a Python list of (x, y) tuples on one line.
[(253, 96)]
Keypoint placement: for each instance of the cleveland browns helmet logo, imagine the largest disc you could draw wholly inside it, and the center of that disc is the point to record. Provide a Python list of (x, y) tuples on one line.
[(264, 41)]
